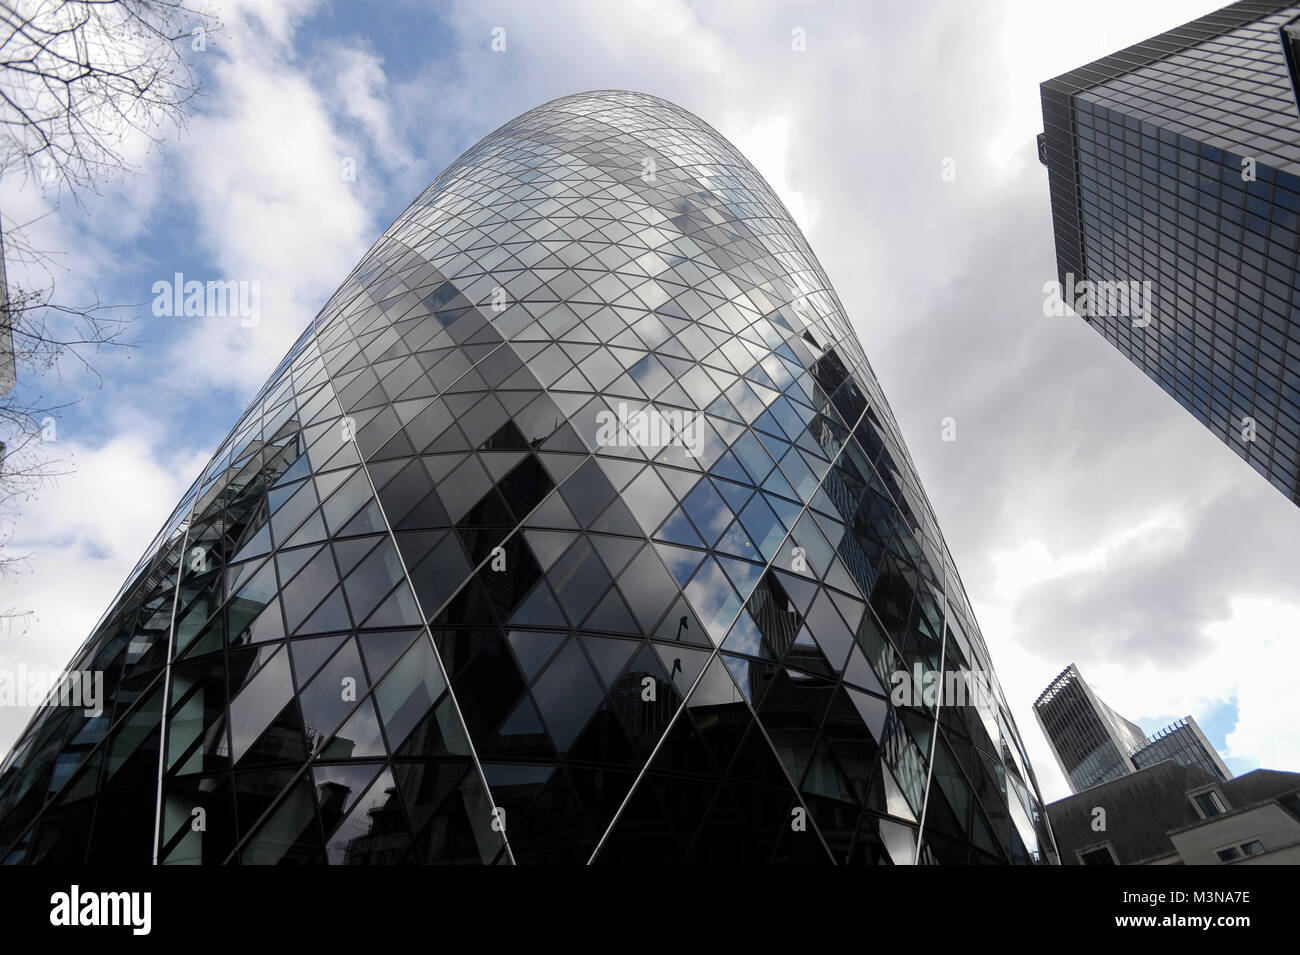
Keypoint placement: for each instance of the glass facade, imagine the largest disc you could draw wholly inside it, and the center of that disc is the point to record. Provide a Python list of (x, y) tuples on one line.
[(1176, 163), (575, 529)]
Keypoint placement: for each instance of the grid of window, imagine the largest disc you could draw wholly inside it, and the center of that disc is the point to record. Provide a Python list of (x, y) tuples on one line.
[(1252, 848), (418, 609), (1185, 172), (1091, 742), (1183, 743), (1224, 91)]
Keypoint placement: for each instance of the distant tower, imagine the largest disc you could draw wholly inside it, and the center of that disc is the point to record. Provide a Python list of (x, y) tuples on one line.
[(1093, 744)]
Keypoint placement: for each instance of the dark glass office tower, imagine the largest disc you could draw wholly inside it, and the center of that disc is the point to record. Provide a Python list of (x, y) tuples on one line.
[(575, 529), (1174, 168), (1093, 744)]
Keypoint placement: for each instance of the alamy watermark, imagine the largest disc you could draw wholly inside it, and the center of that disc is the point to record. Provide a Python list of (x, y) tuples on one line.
[(77, 908), (1127, 298), (650, 427), (926, 688), (212, 299), (79, 688)]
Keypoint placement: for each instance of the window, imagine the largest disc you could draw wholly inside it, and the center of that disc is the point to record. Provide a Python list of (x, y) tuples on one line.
[(1101, 855), (1229, 853), (1291, 803), (1209, 803)]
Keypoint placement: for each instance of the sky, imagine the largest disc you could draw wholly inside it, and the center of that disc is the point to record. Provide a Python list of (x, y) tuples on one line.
[(1092, 519)]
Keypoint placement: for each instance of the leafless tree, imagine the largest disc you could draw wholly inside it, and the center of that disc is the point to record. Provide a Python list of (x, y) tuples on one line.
[(79, 79), (81, 82)]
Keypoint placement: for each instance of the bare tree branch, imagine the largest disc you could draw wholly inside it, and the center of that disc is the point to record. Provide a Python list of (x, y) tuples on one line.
[(81, 82), (80, 79)]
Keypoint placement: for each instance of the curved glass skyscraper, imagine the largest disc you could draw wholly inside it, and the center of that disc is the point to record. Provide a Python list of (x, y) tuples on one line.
[(576, 528)]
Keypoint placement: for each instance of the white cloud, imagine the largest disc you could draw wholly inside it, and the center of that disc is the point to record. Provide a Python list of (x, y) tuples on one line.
[(1262, 636), (262, 174), (357, 82), (258, 21), (766, 146)]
